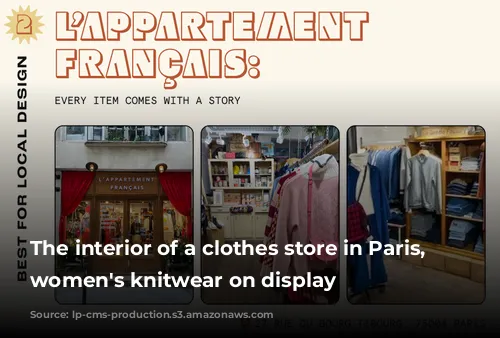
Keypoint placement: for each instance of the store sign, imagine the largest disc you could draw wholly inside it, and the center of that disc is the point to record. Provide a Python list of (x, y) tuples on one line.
[(126, 183), (439, 132)]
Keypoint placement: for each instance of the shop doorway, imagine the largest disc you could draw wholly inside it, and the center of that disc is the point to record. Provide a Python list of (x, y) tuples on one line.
[(133, 219)]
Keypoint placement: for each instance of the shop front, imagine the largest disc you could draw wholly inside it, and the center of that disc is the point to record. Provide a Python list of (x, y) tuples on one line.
[(133, 206)]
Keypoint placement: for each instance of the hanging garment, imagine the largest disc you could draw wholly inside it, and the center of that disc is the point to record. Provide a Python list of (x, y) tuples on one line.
[(394, 172), (378, 226), (423, 183), (405, 156), (362, 275), (270, 232), (328, 237), (291, 225), (356, 218)]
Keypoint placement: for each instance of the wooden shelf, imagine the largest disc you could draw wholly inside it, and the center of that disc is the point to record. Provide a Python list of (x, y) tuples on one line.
[(441, 145), (462, 171), (466, 218), (448, 139), (464, 196), (448, 249)]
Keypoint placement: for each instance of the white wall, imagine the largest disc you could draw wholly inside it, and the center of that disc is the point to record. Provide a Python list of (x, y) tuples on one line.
[(382, 135), (74, 155)]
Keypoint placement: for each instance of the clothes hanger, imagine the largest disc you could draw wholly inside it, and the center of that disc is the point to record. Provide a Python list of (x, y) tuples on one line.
[(322, 160), (424, 150)]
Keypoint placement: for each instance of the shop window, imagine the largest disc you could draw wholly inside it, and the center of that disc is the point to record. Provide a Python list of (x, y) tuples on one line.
[(128, 133), (78, 224), (111, 222), (115, 133), (141, 223), (174, 224), (95, 133), (75, 133), (176, 134)]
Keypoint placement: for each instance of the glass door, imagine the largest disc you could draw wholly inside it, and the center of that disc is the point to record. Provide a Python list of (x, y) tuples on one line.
[(111, 231), (141, 231)]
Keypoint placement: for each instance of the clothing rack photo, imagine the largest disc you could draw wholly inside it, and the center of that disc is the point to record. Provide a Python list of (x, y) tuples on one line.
[(292, 188), (325, 147)]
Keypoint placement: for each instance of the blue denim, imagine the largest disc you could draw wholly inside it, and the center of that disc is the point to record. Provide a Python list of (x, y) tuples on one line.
[(459, 206), (363, 276), (395, 168)]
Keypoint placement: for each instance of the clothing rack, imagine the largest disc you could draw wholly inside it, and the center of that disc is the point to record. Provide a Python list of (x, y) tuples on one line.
[(389, 145), (326, 147), (381, 144)]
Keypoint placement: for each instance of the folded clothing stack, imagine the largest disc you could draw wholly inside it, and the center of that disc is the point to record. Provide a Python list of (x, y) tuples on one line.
[(432, 236), (461, 233), (474, 189), (478, 213), (479, 247), (470, 164), (460, 207), (396, 217), (457, 187), (421, 224)]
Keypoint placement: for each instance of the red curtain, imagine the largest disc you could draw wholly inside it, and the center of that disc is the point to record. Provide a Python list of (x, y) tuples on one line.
[(177, 187), (74, 186)]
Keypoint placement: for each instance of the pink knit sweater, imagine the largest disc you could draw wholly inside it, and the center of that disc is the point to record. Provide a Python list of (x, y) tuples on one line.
[(292, 219)]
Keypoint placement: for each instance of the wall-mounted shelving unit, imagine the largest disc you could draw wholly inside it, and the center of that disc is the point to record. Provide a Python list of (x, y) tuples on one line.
[(471, 146), (241, 182)]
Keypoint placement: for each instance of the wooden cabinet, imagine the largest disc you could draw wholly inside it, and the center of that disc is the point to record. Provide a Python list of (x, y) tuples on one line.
[(242, 226), (225, 218), (260, 221)]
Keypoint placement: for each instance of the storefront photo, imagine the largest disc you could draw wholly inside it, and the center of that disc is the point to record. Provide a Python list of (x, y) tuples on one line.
[(420, 185), (117, 185), (259, 184)]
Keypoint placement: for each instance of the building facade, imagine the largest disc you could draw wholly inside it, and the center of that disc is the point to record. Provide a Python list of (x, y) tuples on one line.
[(124, 184)]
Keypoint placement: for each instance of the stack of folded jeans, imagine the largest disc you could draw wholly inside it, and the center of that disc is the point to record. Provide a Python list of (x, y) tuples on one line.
[(461, 234), (470, 164), (457, 187), (421, 224), (432, 236), (474, 189), (460, 207), (478, 213), (479, 247)]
